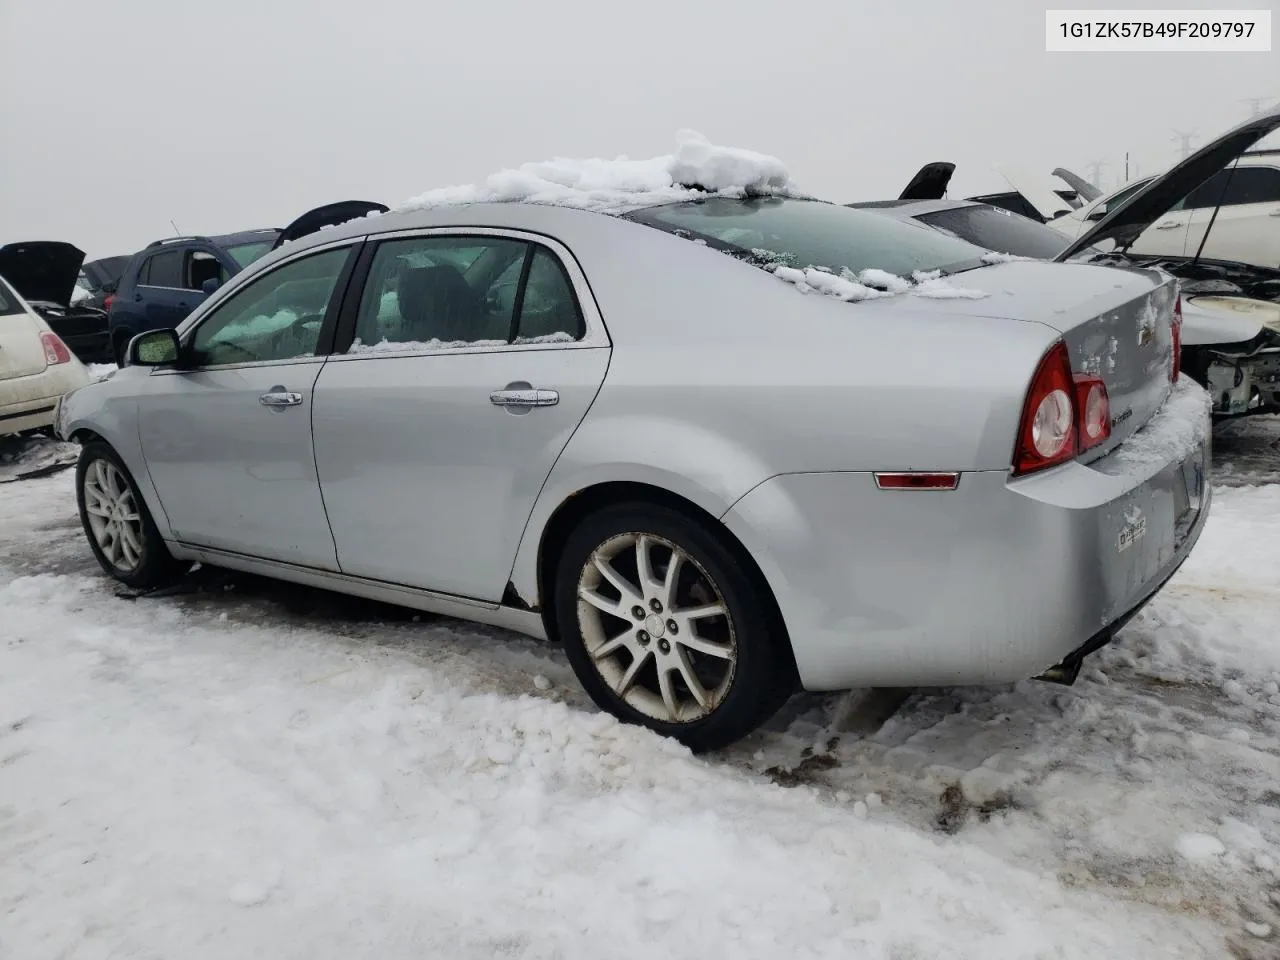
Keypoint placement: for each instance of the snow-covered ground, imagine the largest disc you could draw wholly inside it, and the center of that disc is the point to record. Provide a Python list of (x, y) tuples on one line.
[(257, 770)]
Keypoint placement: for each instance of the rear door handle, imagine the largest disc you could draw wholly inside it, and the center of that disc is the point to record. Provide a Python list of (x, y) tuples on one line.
[(280, 397), (524, 398), (1168, 225)]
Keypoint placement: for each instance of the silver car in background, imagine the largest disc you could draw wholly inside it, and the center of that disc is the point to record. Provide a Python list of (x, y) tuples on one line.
[(629, 433)]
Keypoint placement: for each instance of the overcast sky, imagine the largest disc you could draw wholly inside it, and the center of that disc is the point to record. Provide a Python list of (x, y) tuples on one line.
[(116, 117)]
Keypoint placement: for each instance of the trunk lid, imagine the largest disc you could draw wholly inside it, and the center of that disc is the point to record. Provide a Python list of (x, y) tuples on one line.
[(21, 352), (1117, 324)]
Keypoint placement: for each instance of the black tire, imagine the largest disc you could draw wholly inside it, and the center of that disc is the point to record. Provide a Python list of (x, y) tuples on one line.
[(756, 683), (120, 346), (156, 566)]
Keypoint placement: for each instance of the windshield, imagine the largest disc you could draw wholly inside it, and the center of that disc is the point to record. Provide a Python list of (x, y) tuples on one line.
[(810, 233), (246, 253), (999, 230)]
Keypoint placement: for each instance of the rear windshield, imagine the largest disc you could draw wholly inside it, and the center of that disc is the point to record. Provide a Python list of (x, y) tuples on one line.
[(810, 233), (999, 230), (8, 301), (246, 253)]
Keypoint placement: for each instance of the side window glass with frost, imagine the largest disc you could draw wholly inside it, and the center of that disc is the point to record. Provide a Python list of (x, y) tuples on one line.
[(549, 311), (276, 317), (437, 292)]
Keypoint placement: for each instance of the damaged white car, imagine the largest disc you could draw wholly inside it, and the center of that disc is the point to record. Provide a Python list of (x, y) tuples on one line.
[(1231, 309)]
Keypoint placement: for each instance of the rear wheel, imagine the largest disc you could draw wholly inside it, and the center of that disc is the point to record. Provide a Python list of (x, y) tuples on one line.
[(121, 532), (665, 626)]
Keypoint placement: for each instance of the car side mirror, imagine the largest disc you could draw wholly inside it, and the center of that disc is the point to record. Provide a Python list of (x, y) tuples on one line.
[(1096, 214), (155, 348), (210, 285)]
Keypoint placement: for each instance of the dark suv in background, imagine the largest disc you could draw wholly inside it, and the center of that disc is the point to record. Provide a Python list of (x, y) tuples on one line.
[(169, 278), (166, 281)]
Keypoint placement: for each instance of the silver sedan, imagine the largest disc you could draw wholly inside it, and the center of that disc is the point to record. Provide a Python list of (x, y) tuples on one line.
[(667, 440)]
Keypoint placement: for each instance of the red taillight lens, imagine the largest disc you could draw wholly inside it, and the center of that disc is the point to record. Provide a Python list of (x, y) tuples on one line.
[(1047, 434), (1064, 414), (106, 301), (55, 351), (1094, 409), (1176, 368)]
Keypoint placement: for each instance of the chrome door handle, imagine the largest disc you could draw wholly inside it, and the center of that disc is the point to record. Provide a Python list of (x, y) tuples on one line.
[(280, 398), (1168, 225), (524, 398)]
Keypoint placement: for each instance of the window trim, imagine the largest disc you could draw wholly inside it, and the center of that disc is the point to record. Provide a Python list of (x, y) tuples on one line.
[(1240, 168), (595, 334), (186, 331)]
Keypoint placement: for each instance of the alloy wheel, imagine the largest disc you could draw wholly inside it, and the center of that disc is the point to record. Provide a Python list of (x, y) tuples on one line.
[(656, 627), (113, 515)]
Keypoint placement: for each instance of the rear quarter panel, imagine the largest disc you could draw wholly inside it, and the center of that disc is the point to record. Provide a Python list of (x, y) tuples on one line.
[(723, 376)]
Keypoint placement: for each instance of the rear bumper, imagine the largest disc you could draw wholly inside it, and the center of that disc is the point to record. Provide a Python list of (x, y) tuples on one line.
[(992, 582), (28, 415), (28, 403)]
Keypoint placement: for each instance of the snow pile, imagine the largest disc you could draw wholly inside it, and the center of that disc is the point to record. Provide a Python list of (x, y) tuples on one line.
[(871, 284), (697, 169), (387, 345), (937, 287), (1172, 434), (395, 346), (996, 257)]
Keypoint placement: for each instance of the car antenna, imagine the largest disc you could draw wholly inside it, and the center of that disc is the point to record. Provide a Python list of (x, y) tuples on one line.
[(1226, 183), (176, 231)]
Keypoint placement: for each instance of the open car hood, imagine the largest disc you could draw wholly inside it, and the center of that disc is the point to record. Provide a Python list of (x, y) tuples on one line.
[(42, 270), (330, 215), (105, 272), (1124, 224), (929, 183), (1083, 188), (1038, 191)]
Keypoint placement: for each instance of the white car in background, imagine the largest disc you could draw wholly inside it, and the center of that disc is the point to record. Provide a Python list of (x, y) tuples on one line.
[(1245, 229), (36, 368)]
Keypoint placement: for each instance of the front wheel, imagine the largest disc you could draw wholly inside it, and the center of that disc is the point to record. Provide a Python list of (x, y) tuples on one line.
[(665, 626), (121, 532)]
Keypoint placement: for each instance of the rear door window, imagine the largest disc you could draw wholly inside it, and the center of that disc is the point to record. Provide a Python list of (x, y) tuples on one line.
[(447, 292), (163, 269)]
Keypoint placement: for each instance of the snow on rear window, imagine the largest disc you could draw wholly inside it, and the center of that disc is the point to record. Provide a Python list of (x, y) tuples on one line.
[(698, 168), (842, 252)]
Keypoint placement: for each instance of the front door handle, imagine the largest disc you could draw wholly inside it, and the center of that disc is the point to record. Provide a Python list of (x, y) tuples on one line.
[(280, 397), (1275, 212), (524, 398), (1168, 225)]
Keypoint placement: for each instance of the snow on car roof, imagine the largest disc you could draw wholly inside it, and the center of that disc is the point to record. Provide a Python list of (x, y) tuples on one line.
[(698, 168)]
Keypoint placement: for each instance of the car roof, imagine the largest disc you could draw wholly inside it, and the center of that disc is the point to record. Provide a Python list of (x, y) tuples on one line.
[(546, 218)]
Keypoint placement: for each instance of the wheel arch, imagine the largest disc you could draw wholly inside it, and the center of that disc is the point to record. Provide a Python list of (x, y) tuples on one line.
[(581, 504)]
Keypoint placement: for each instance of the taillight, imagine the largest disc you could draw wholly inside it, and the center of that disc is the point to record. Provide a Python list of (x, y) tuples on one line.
[(1063, 416), (1176, 367), (55, 351), (1046, 435), (1094, 409), (107, 300)]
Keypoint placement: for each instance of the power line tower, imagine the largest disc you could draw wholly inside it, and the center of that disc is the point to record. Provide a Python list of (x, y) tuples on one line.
[(1184, 142), (1095, 171), (1256, 105)]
